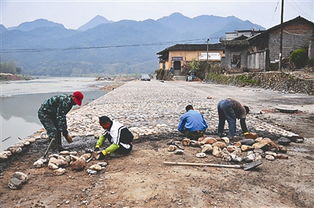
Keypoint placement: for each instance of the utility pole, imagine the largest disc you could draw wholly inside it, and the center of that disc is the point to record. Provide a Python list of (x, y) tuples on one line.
[(281, 31), (207, 50)]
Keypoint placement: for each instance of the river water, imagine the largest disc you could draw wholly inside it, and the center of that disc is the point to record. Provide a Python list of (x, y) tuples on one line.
[(20, 101)]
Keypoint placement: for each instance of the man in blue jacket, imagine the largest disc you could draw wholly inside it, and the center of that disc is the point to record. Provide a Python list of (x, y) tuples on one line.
[(192, 123)]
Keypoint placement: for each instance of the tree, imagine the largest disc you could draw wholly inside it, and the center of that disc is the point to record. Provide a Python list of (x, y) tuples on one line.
[(299, 58), (199, 68)]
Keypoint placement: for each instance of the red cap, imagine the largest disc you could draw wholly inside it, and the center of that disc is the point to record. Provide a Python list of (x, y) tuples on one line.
[(78, 97)]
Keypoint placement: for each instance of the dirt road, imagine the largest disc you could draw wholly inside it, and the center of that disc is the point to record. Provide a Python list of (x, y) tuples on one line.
[(141, 179)]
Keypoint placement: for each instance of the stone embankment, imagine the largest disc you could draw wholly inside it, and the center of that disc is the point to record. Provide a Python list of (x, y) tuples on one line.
[(148, 109), (281, 81)]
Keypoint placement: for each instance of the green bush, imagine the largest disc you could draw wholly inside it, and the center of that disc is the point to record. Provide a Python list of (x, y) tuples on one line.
[(200, 68), (299, 58)]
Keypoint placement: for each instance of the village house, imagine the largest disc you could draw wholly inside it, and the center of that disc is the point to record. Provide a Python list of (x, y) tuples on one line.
[(257, 52), (174, 58), (239, 33)]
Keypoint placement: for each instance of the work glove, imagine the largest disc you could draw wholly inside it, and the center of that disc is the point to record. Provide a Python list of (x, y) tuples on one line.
[(69, 139), (102, 155), (65, 133)]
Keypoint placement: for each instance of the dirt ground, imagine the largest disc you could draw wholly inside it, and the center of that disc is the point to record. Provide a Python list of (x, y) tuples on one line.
[(142, 180)]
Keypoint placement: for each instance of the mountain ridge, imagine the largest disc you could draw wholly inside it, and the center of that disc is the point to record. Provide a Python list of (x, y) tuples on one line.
[(97, 20), (124, 46)]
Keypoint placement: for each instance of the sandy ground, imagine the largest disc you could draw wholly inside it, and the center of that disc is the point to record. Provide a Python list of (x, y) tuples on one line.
[(141, 179)]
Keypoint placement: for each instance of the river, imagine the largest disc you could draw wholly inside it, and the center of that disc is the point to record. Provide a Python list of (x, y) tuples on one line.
[(20, 101)]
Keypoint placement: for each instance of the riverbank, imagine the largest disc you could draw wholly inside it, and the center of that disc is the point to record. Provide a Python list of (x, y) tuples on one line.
[(151, 110), (13, 77), (20, 101)]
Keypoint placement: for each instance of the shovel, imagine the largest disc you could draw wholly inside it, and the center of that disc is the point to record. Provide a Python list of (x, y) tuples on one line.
[(50, 143), (245, 166)]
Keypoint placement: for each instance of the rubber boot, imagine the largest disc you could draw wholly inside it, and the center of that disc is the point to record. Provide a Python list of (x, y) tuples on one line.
[(59, 143)]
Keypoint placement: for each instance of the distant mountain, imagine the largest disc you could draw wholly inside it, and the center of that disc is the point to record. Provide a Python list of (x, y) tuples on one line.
[(125, 46), (28, 26), (97, 20), (2, 28)]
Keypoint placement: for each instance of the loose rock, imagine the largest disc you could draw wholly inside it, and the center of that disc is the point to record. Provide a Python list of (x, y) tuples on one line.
[(40, 162), (195, 143), (172, 148), (208, 140), (248, 142), (5, 155), (217, 152), (281, 156), (207, 148), (64, 153), (91, 172), (221, 145), (17, 180), (186, 142), (96, 167), (226, 140), (52, 166), (271, 153), (178, 152), (59, 171), (86, 156), (269, 157), (284, 141), (245, 148), (200, 155), (282, 149), (78, 164), (231, 148), (102, 164)]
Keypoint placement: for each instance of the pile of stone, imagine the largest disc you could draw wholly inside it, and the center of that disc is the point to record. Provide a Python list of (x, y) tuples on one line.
[(94, 169), (245, 150), (58, 162)]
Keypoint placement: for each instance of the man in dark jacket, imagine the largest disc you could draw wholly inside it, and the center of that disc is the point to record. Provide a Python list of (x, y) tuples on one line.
[(119, 137), (52, 114), (231, 110), (192, 123)]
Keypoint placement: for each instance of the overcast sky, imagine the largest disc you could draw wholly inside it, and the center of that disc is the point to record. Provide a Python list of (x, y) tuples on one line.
[(74, 13)]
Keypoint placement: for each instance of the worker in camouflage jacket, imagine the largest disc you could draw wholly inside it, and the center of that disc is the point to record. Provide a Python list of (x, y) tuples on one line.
[(52, 114)]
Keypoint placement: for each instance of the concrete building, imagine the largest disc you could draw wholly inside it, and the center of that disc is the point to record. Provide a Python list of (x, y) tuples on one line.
[(257, 52), (239, 33)]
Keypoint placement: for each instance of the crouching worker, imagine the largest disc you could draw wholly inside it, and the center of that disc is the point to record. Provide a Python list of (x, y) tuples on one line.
[(192, 123), (119, 137), (52, 115), (231, 110)]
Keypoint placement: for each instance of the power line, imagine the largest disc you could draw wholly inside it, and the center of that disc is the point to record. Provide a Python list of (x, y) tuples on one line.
[(299, 8), (272, 19), (36, 50)]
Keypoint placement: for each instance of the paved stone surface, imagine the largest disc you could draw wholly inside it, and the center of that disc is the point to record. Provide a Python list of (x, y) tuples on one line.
[(152, 108)]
